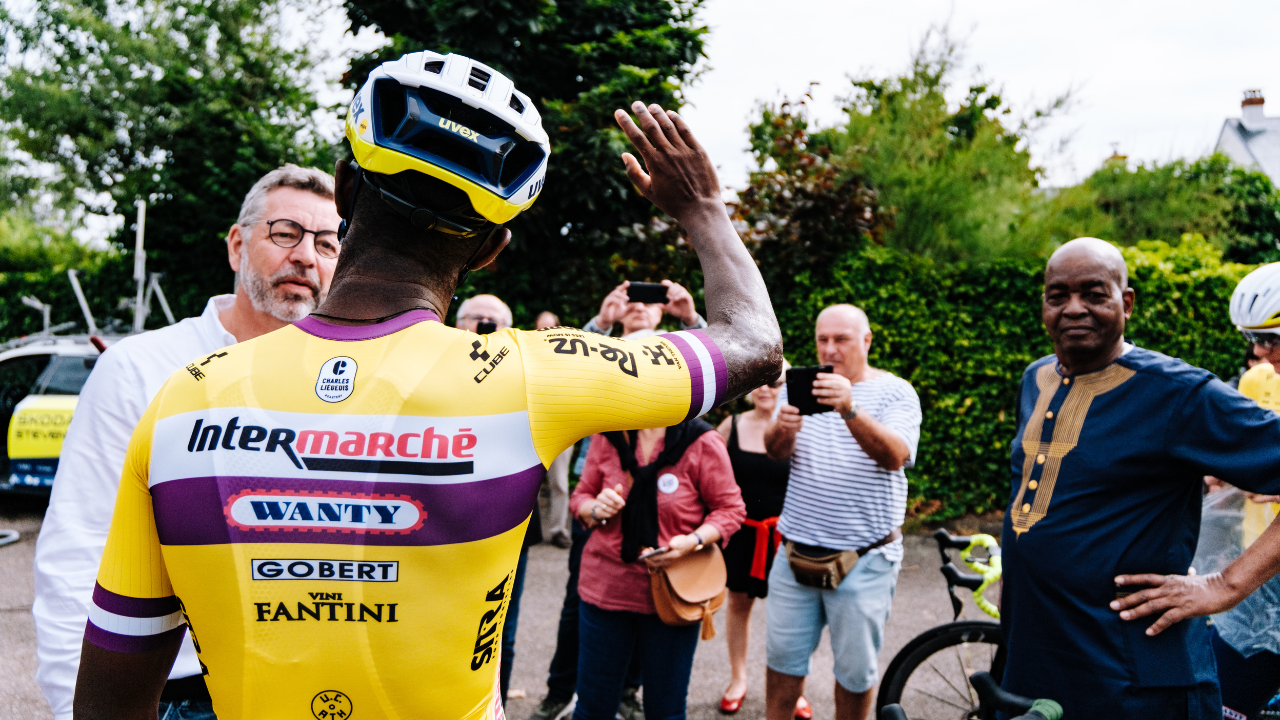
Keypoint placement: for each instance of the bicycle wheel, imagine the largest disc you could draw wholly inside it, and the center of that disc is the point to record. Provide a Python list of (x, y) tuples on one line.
[(929, 678)]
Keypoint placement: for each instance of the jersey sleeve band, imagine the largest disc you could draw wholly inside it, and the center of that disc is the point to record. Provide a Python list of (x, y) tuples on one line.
[(125, 624), (328, 331), (708, 375)]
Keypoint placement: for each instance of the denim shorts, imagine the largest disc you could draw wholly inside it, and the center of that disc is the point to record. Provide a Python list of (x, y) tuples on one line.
[(856, 611)]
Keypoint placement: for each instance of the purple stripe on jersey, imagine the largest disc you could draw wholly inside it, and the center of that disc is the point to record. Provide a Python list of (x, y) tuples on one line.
[(717, 360), (695, 373), (133, 607), (116, 642), (196, 511), (315, 326)]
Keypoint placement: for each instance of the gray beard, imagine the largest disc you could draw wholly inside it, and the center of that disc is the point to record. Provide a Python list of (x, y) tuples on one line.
[(269, 299)]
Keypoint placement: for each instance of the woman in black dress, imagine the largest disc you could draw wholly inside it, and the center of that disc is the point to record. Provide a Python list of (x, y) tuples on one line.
[(749, 554)]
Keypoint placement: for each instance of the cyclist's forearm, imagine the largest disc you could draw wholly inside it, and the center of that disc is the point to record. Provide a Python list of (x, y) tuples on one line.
[(1256, 565), (739, 315)]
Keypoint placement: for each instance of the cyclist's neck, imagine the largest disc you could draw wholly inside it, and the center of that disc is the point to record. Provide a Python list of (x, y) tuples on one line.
[(378, 284)]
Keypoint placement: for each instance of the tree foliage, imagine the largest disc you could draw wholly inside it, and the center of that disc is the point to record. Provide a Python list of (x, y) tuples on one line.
[(1236, 209), (954, 179), (183, 104), (579, 61)]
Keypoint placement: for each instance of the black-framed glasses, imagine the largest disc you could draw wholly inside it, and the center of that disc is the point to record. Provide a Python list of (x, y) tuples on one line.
[(287, 233), (1263, 338)]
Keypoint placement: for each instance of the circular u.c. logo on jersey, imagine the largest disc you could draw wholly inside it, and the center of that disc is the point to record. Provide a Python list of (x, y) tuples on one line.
[(331, 705), (337, 379)]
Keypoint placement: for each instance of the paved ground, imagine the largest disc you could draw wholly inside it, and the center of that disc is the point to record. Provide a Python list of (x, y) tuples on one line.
[(920, 603)]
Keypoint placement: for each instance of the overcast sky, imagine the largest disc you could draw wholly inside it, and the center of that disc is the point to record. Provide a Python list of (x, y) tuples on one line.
[(1156, 77)]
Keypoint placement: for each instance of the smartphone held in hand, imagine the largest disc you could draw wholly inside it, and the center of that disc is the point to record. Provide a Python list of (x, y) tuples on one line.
[(647, 293), (800, 389), (653, 552)]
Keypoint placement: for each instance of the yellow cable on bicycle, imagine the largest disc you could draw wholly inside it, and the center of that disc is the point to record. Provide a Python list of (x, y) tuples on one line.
[(989, 570)]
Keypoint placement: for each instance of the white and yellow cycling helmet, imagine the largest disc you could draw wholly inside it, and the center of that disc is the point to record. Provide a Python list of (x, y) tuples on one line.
[(455, 119), (1255, 304)]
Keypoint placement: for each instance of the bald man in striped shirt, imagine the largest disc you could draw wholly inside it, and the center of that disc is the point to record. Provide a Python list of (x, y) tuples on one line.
[(845, 503)]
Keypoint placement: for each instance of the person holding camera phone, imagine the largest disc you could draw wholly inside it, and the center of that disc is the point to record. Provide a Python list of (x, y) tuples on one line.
[(640, 307), (846, 499)]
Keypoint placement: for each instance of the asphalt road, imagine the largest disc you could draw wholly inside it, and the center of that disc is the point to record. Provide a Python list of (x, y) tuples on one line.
[(919, 603)]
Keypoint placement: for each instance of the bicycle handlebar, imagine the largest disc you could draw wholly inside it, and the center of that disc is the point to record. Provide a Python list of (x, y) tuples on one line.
[(991, 695), (893, 712), (948, 541)]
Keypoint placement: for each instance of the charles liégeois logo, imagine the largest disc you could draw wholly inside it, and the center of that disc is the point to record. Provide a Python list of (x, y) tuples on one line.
[(337, 379)]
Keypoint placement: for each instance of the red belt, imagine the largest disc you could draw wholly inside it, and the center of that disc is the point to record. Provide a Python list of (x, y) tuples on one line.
[(766, 544)]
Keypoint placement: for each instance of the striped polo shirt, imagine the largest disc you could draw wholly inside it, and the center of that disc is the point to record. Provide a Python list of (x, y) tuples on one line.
[(838, 497)]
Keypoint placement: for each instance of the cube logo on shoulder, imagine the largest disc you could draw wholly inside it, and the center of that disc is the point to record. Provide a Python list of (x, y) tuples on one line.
[(337, 379)]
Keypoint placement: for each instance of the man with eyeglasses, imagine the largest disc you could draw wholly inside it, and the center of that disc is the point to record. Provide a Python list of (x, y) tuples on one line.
[(283, 249)]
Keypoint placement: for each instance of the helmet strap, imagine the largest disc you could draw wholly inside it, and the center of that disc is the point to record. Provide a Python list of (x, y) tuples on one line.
[(344, 226), (466, 267)]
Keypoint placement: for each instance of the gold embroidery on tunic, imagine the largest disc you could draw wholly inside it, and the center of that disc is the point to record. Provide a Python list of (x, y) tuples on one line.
[(1066, 433)]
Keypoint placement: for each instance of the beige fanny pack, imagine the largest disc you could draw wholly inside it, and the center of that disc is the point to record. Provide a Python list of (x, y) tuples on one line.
[(828, 570)]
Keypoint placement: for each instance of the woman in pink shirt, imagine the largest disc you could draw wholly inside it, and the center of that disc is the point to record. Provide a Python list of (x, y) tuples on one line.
[(682, 494)]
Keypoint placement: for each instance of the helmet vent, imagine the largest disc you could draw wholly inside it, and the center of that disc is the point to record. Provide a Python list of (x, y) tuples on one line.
[(516, 104), (479, 79), (435, 66)]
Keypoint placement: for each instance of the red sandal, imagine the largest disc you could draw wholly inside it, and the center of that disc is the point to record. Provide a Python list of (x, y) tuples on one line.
[(730, 706), (803, 710)]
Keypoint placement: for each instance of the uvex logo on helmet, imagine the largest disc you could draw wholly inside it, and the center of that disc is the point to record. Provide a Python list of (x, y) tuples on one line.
[(346, 451)]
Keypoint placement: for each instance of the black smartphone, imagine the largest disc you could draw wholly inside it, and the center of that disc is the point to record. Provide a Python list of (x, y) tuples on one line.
[(800, 389), (484, 327), (648, 293), (653, 552)]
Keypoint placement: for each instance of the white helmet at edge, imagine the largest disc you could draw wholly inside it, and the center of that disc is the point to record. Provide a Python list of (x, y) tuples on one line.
[(1255, 304)]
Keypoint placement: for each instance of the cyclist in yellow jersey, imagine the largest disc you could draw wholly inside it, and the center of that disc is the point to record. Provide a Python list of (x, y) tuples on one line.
[(1246, 641), (339, 531)]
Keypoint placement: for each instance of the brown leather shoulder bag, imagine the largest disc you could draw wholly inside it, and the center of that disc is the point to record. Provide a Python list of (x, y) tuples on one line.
[(691, 589)]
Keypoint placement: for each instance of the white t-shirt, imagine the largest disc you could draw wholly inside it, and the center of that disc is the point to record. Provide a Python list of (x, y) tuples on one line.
[(838, 497), (123, 382)]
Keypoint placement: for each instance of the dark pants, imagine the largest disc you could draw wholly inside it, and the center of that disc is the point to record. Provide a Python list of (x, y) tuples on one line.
[(1248, 683), (607, 640), (186, 710), (509, 629), (562, 679)]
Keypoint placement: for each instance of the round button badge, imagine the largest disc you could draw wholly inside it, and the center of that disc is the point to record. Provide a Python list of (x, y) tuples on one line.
[(668, 483)]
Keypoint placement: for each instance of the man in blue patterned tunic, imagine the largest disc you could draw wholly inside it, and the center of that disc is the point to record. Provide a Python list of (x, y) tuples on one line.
[(1112, 444)]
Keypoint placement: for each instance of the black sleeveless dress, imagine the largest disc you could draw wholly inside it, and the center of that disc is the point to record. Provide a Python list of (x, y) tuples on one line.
[(764, 486)]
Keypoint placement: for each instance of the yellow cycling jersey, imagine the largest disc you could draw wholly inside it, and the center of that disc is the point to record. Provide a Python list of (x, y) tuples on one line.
[(336, 512), (1262, 384)]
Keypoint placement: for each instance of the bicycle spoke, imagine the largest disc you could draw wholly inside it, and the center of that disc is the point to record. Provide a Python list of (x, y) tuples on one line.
[(941, 699), (965, 672), (950, 684)]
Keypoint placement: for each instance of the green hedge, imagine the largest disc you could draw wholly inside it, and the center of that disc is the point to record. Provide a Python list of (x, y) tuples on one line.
[(963, 335)]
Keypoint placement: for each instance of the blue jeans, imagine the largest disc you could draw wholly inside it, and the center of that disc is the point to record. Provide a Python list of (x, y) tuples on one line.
[(187, 710), (509, 629), (606, 642)]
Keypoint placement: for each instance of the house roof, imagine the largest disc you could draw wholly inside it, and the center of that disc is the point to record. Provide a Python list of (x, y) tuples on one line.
[(1255, 146)]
